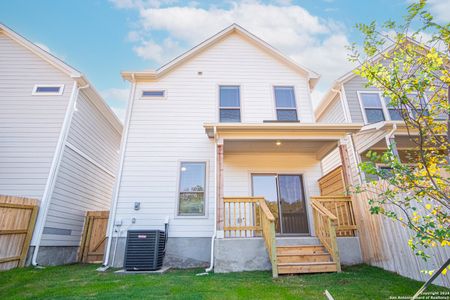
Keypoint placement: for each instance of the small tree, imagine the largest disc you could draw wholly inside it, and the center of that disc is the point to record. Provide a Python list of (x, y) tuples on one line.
[(413, 72)]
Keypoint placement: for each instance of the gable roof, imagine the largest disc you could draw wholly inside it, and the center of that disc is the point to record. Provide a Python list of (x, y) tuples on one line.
[(150, 75), (66, 69), (336, 86)]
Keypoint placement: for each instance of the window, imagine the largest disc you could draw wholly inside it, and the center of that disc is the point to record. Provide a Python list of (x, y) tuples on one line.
[(154, 94), (394, 113), (372, 107), (191, 199), (285, 103), (420, 105), (230, 104), (45, 89)]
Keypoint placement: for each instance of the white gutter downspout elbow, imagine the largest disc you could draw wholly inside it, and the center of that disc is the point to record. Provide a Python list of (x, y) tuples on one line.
[(213, 238), (46, 197)]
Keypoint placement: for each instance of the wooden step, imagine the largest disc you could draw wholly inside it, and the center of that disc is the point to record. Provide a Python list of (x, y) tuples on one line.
[(315, 257), (301, 250), (310, 267)]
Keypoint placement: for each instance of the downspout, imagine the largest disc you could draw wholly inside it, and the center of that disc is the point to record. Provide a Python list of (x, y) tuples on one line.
[(213, 238), (46, 197), (112, 218)]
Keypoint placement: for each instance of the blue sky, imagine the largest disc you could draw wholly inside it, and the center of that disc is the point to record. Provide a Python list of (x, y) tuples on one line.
[(102, 38)]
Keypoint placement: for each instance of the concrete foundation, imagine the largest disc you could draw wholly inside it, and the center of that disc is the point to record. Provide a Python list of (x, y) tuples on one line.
[(349, 250), (54, 255), (250, 254), (180, 252), (236, 255)]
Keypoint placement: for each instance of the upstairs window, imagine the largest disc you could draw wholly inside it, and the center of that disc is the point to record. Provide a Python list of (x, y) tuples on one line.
[(191, 200), (285, 103), (229, 104), (47, 89), (373, 107), (395, 113), (153, 94)]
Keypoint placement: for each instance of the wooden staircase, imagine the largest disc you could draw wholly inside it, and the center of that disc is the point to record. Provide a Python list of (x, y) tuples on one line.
[(298, 259)]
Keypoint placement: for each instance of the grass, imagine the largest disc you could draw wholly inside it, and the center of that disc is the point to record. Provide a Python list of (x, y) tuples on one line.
[(84, 282)]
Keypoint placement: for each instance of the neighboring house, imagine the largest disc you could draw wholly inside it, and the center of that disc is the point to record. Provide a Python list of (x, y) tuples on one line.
[(351, 101), (59, 144), (230, 119)]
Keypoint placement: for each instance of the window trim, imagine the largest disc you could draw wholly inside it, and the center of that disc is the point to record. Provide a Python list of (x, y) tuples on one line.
[(38, 85), (142, 97), (230, 108), (386, 114), (178, 183), (275, 103)]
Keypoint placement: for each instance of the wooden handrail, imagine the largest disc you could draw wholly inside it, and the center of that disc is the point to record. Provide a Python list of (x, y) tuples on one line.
[(342, 208), (323, 210), (250, 217), (268, 232), (325, 226), (265, 209)]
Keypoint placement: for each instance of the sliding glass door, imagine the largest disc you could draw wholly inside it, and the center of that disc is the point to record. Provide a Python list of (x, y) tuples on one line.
[(285, 197)]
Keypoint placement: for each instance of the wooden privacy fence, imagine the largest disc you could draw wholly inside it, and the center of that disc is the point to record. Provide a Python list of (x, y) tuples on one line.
[(333, 183), (94, 237), (17, 220), (384, 242)]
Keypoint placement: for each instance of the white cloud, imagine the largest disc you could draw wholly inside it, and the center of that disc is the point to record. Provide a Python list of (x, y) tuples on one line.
[(315, 42), (440, 9), (117, 99), (158, 52)]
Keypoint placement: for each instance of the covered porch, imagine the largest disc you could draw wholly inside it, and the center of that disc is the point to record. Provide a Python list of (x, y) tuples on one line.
[(268, 189)]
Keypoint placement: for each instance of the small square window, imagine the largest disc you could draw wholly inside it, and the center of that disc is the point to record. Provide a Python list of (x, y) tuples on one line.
[(45, 89)]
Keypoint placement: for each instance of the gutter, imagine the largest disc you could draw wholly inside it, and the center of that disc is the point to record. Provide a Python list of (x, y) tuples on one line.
[(213, 238), (50, 185), (112, 217)]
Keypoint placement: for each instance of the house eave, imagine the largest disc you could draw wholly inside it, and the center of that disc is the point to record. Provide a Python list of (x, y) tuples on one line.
[(311, 131)]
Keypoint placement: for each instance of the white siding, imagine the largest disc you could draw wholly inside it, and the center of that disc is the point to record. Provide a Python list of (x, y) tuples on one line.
[(239, 167), (86, 175), (365, 140), (331, 161), (29, 125), (164, 132), (334, 112)]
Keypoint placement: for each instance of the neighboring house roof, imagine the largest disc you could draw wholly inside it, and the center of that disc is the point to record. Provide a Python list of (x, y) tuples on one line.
[(67, 69), (336, 86), (149, 75)]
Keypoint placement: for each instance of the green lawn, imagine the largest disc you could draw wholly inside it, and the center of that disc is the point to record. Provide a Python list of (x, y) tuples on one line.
[(83, 281)]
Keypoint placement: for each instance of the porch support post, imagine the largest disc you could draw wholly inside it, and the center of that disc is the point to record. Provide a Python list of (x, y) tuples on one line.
[(390, 142), (346, 168), (220, 204)]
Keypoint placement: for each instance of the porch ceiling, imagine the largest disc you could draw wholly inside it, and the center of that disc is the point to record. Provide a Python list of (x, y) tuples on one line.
[(280, 131), (278, 146)]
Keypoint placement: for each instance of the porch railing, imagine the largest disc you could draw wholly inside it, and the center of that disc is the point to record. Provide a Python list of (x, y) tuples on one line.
[(342, 208), (251, 217), (325, 226)]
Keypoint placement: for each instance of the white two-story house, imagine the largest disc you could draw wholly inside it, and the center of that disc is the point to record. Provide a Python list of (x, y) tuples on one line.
[(210, 134)]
